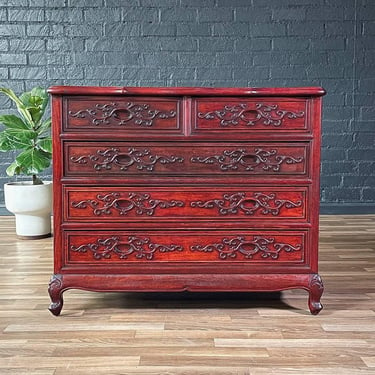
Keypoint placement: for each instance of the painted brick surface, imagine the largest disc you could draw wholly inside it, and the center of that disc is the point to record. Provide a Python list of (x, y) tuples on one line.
[(211, 43)]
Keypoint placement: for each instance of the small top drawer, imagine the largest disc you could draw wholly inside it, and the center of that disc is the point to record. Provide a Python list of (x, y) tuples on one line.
[(132, 115), (243, 115)]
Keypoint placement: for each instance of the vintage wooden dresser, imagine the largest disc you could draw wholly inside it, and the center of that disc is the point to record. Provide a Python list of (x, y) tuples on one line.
[(186, 189)]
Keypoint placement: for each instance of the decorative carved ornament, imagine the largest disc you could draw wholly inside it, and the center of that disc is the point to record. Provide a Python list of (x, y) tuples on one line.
[(230, 248), (140, 247), (131, 113), (259, 159), (140, 203), (259, 202), (266, 114), (141, 159)]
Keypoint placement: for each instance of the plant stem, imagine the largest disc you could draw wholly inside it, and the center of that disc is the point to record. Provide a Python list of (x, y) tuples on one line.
[(37, 180)]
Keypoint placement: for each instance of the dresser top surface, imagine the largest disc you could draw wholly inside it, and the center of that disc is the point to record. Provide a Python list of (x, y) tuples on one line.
[(189, 91)]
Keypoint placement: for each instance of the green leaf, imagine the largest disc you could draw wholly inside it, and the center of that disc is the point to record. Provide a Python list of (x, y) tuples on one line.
[(45, 126), (20, 106), (35, 102), (33, 161), (13, 169), (12, 121), (45, 144), (16, 139)]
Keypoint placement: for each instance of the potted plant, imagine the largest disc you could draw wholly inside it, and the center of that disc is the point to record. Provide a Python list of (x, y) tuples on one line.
[(28, 135)]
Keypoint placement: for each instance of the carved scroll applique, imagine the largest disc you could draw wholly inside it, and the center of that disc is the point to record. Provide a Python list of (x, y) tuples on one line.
[(141, 204), (259, 159), (140, 247), (259, 202), (140, 159), (131, 113), (230, 248), (266, 114)]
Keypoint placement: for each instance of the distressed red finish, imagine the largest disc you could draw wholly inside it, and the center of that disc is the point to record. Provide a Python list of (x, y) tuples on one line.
[(186, 189)]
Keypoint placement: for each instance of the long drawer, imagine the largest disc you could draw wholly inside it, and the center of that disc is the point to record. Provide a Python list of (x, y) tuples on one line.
[(100, 204), (179, 159), (146, 248)]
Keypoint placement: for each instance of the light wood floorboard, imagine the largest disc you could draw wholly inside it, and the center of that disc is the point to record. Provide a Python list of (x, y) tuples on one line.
[(187, 333)]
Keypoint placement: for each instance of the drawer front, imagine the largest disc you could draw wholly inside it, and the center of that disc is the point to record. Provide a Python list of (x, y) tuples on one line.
[(129, 204), (131, 115), (128, 247), (132, 159), (228, 115)]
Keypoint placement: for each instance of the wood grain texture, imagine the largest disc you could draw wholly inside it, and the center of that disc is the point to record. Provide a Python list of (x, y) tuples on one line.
[(192, 333)]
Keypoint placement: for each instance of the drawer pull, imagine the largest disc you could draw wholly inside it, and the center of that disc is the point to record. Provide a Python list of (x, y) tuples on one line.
[(267, 114), (132, 113), (140, 203), (233, 203), (140, 247), (261, 159), (141, 159), (229, 248)]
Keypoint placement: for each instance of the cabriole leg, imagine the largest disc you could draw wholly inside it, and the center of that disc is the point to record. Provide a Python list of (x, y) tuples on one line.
[(55, 291), (316, 289)]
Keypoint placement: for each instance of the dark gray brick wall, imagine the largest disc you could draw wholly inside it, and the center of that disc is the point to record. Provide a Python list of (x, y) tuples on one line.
[(212, 43)]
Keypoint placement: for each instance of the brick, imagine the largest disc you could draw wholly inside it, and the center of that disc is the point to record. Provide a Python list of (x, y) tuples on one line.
[(164, 3), (267, 29), (119, 58), (4, 74), (48, 59), (178, 14), (196, 59), (151, 29), (343, 194), (331, 181), (65, 44), (321, 71), (365, 139), (366, 168), (328, 13), (237, 59), (144, 73), (84, 30), (253, 15), (366, 126), (233, 3), (350, 181), (259, 72), (329, 43), (338, 140), (339, 167), (214, 15), (27, 73), (13, 59), (44, 30), (164, 59), (59, 72), (291, 44), (216, 44), (197, 3), (3, 14), (214, 73), (179, 44), (68, 15), (295, 14), (230, 29), (333, 28), (106, 14), (367, 113), (367, 85), (333, 154), (369, 194), (169, 73), (122, 29), (26, 15), (12, 30), (369, 28), (361, 154), (297, 71), (266, 58), (3, 45), (85, 3), (103, 72), (193, 29), (311, 29), (140, 14)]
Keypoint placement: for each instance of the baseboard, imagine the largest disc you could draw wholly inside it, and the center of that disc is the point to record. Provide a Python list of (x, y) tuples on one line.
[(347, 208), (325, 209)]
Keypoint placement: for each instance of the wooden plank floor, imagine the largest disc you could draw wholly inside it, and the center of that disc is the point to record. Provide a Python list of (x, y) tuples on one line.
[(146, 333)]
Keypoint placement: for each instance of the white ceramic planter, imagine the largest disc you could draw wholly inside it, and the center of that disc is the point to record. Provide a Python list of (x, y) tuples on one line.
[(31, 205)]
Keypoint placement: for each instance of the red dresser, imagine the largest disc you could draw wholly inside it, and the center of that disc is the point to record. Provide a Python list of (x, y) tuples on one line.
[(186, 189)]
